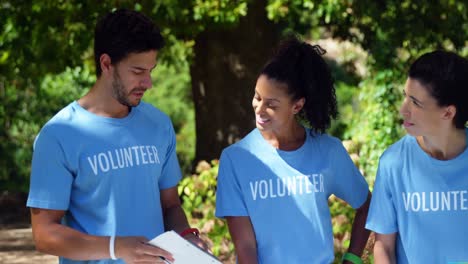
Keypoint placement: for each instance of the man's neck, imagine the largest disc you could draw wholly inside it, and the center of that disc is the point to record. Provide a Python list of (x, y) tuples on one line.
[(100, 101)]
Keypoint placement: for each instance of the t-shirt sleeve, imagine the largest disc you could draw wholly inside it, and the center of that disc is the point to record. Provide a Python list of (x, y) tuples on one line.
[(170, 174), (51, 179), (349, 184), (382, 216), (229, 198)]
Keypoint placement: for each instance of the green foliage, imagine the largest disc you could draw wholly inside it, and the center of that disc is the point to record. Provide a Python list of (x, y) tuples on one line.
[(304, 15), (198, 193), (33, 110), (63, 88), (347, 101), (378, 123), (397, 31), (186, 18), (39, 39), (393, 33), (171, 93), (42, 38), (36, 38), (220, 11), (342, 215)]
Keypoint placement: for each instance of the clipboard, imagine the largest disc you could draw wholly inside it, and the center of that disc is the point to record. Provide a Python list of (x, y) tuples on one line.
[(183, 251)]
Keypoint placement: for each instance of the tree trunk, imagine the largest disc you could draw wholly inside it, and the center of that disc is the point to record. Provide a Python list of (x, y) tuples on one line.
[(224, 72)]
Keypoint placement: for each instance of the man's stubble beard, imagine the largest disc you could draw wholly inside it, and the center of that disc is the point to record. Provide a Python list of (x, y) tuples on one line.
[(118, 91)]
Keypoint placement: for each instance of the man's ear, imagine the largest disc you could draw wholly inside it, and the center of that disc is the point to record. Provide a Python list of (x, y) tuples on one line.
[(106, 63)]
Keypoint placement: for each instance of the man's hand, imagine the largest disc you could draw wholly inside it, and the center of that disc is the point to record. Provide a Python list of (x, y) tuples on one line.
[(137, 250)]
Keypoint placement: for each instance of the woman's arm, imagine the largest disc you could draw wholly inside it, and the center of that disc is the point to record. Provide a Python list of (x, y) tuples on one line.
[(384, 248), (359, 234), (243, 236)]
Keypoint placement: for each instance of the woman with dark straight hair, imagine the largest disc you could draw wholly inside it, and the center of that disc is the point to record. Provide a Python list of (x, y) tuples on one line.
[(419, 209)]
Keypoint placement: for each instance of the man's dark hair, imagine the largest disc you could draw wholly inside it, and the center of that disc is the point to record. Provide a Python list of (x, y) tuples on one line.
[(445, 75), (122, 32)]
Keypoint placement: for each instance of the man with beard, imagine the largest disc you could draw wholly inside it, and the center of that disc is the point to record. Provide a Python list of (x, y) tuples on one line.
[(104, 170)]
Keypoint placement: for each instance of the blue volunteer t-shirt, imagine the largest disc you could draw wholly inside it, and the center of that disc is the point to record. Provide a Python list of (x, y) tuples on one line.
[(285, 194), (106, 173), (424, 201)]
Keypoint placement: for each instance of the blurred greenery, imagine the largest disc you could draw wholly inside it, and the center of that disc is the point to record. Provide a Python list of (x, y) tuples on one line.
[(46, 62), (171, 94), (198, 193)]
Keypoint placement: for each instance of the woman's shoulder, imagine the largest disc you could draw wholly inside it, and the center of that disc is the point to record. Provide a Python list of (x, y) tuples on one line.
[(325, 139)]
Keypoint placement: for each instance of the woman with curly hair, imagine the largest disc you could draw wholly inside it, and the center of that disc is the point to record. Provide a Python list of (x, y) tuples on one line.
[(274, 184)]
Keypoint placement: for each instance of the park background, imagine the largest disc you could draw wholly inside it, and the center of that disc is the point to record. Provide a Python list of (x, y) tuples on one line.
[(205, 79)]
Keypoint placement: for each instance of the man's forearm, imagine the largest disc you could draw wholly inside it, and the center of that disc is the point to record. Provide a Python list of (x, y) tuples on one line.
[(63, 241)]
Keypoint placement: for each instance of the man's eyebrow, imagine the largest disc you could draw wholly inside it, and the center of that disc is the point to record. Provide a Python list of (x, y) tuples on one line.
[(143, 69)]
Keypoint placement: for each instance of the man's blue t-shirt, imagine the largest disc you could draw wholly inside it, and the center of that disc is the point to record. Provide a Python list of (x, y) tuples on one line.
[(424, 201), (106, 173), (285, 194)]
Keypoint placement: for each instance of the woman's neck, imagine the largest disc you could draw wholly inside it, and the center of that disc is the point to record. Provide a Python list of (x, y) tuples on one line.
[(445, 147), (288, 140)]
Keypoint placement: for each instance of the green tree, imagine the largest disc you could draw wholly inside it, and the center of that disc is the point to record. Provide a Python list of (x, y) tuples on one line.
[(393, 33), (215, 49), (224, 71), (38, 38), (228, 41)]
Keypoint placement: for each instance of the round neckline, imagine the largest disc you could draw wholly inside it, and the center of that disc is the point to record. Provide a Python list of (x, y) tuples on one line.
[(286, 152), (112, 120)]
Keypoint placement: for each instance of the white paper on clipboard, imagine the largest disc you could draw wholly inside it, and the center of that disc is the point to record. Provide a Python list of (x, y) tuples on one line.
[(182, 250)]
